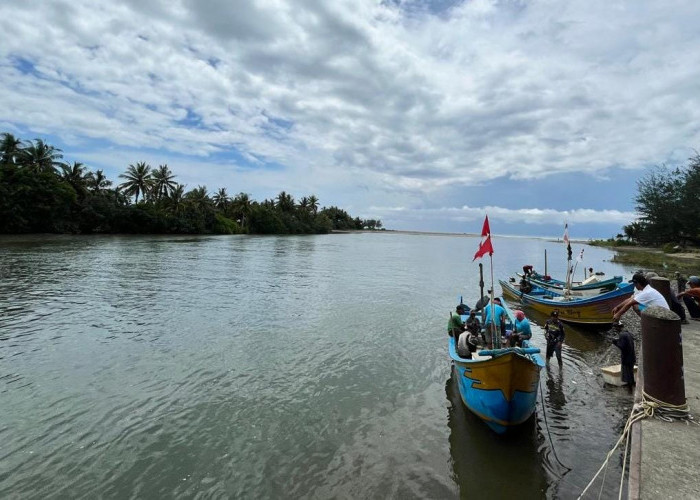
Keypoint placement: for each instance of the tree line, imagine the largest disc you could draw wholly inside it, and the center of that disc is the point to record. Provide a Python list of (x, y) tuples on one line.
[(668, 201), (40, 193)]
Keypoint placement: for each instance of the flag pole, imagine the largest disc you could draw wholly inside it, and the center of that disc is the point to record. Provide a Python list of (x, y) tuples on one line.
[(495, 332)]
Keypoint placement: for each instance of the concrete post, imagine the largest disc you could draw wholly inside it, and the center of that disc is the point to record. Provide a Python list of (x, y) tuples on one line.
[(663, 286), (662, 355)]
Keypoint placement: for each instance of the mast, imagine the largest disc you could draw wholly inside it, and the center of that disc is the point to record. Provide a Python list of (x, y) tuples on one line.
[(545, 263)]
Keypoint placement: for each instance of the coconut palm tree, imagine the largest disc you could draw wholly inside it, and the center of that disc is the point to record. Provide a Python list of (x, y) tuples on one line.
[(9, 148), (313, 204), (163, 182), (285, 202), (76, 176), (97, 181), (241, 208), (176, 198), (138, 180), (221, 199), (40, 157), (304, 204), (199, 198)]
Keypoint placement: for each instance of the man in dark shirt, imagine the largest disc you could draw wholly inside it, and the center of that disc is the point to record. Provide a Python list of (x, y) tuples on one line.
[(554, 334), (625, 343)]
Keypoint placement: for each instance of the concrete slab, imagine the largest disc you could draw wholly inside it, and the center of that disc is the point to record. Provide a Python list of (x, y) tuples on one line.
[(665, 455)]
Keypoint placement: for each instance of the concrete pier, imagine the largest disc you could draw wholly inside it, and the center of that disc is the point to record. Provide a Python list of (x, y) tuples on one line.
[(665, 455)]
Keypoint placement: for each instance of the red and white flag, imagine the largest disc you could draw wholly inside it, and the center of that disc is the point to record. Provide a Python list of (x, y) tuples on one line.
[(566, 233), (485, 246)]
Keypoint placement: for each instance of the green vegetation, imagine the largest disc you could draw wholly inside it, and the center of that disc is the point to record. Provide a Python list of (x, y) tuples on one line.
[(668, 202), (39, 193), (660, 262)]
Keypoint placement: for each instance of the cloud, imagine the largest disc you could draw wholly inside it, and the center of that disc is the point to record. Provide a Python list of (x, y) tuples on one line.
[(401, 98), (508, 215)]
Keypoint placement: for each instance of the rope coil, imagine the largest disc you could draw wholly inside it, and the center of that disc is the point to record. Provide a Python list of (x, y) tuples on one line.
[(649, 406)]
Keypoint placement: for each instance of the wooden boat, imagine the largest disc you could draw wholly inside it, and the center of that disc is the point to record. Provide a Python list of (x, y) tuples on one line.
[(593, 286), (595, 310), (499, 385)]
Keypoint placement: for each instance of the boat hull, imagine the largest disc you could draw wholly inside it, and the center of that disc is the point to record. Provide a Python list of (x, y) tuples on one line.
[(595, 310), (501, 390)]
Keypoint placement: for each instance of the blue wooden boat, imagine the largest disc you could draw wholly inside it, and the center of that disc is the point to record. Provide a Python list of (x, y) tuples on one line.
[(594, 287), (500, 385), (593, 310)]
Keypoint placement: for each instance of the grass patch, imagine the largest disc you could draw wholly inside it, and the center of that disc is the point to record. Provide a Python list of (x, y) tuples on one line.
[(610, 243), (663, 264)]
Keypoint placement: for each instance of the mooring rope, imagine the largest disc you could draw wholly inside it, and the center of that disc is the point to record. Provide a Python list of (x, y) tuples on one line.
[(649, 406), (546, 423)]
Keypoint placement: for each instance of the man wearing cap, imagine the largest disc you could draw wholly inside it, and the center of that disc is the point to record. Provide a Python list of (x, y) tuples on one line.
[(554, 334), (644, 296), (691, 297), (625, 343)]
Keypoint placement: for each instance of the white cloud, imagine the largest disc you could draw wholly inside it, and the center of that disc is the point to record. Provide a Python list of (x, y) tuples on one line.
[(396, 103), (509, 215)]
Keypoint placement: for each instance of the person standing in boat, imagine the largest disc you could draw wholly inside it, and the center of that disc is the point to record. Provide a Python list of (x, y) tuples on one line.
[(554, 334), (499, 315), (522, 330), (625, 343), (644, 296)]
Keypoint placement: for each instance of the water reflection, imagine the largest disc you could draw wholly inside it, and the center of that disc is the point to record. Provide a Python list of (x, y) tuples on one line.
[(488, 465)]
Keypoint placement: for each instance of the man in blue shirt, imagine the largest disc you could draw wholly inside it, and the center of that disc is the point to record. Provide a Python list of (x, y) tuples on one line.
[(499, 315), (522, 329)]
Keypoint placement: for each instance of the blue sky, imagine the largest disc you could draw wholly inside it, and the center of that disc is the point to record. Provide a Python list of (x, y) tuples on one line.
[(426, 115)]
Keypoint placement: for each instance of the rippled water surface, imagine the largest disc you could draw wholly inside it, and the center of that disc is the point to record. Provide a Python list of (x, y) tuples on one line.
[(295, 367)]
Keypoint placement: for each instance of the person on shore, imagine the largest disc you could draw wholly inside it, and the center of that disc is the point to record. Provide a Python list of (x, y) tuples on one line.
[(522, 330), (681, 282), (554, 335), (625, 343), (644, 296), (691, 297), (497, 326)]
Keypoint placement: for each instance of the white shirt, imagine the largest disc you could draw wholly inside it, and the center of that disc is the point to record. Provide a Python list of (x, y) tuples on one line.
[(650, 297)]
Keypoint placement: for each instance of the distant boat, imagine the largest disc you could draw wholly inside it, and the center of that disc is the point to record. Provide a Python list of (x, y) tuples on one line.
[(593, 310), (499, 386)]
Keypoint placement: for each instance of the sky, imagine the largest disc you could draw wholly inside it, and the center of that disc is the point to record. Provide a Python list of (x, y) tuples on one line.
[(426, 115)]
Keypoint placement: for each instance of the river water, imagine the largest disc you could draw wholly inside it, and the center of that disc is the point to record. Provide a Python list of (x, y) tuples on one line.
[(275, 367)]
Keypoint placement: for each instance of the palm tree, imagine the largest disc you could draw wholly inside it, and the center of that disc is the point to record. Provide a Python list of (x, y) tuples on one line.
[(241, 207), (40, 157), (138, 180), (9, 148), (304, 204), (76, 176), (313, 203), (176, 198), (285, 202), (221, 199), (199, 198), (97, 181), (163, 182)]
